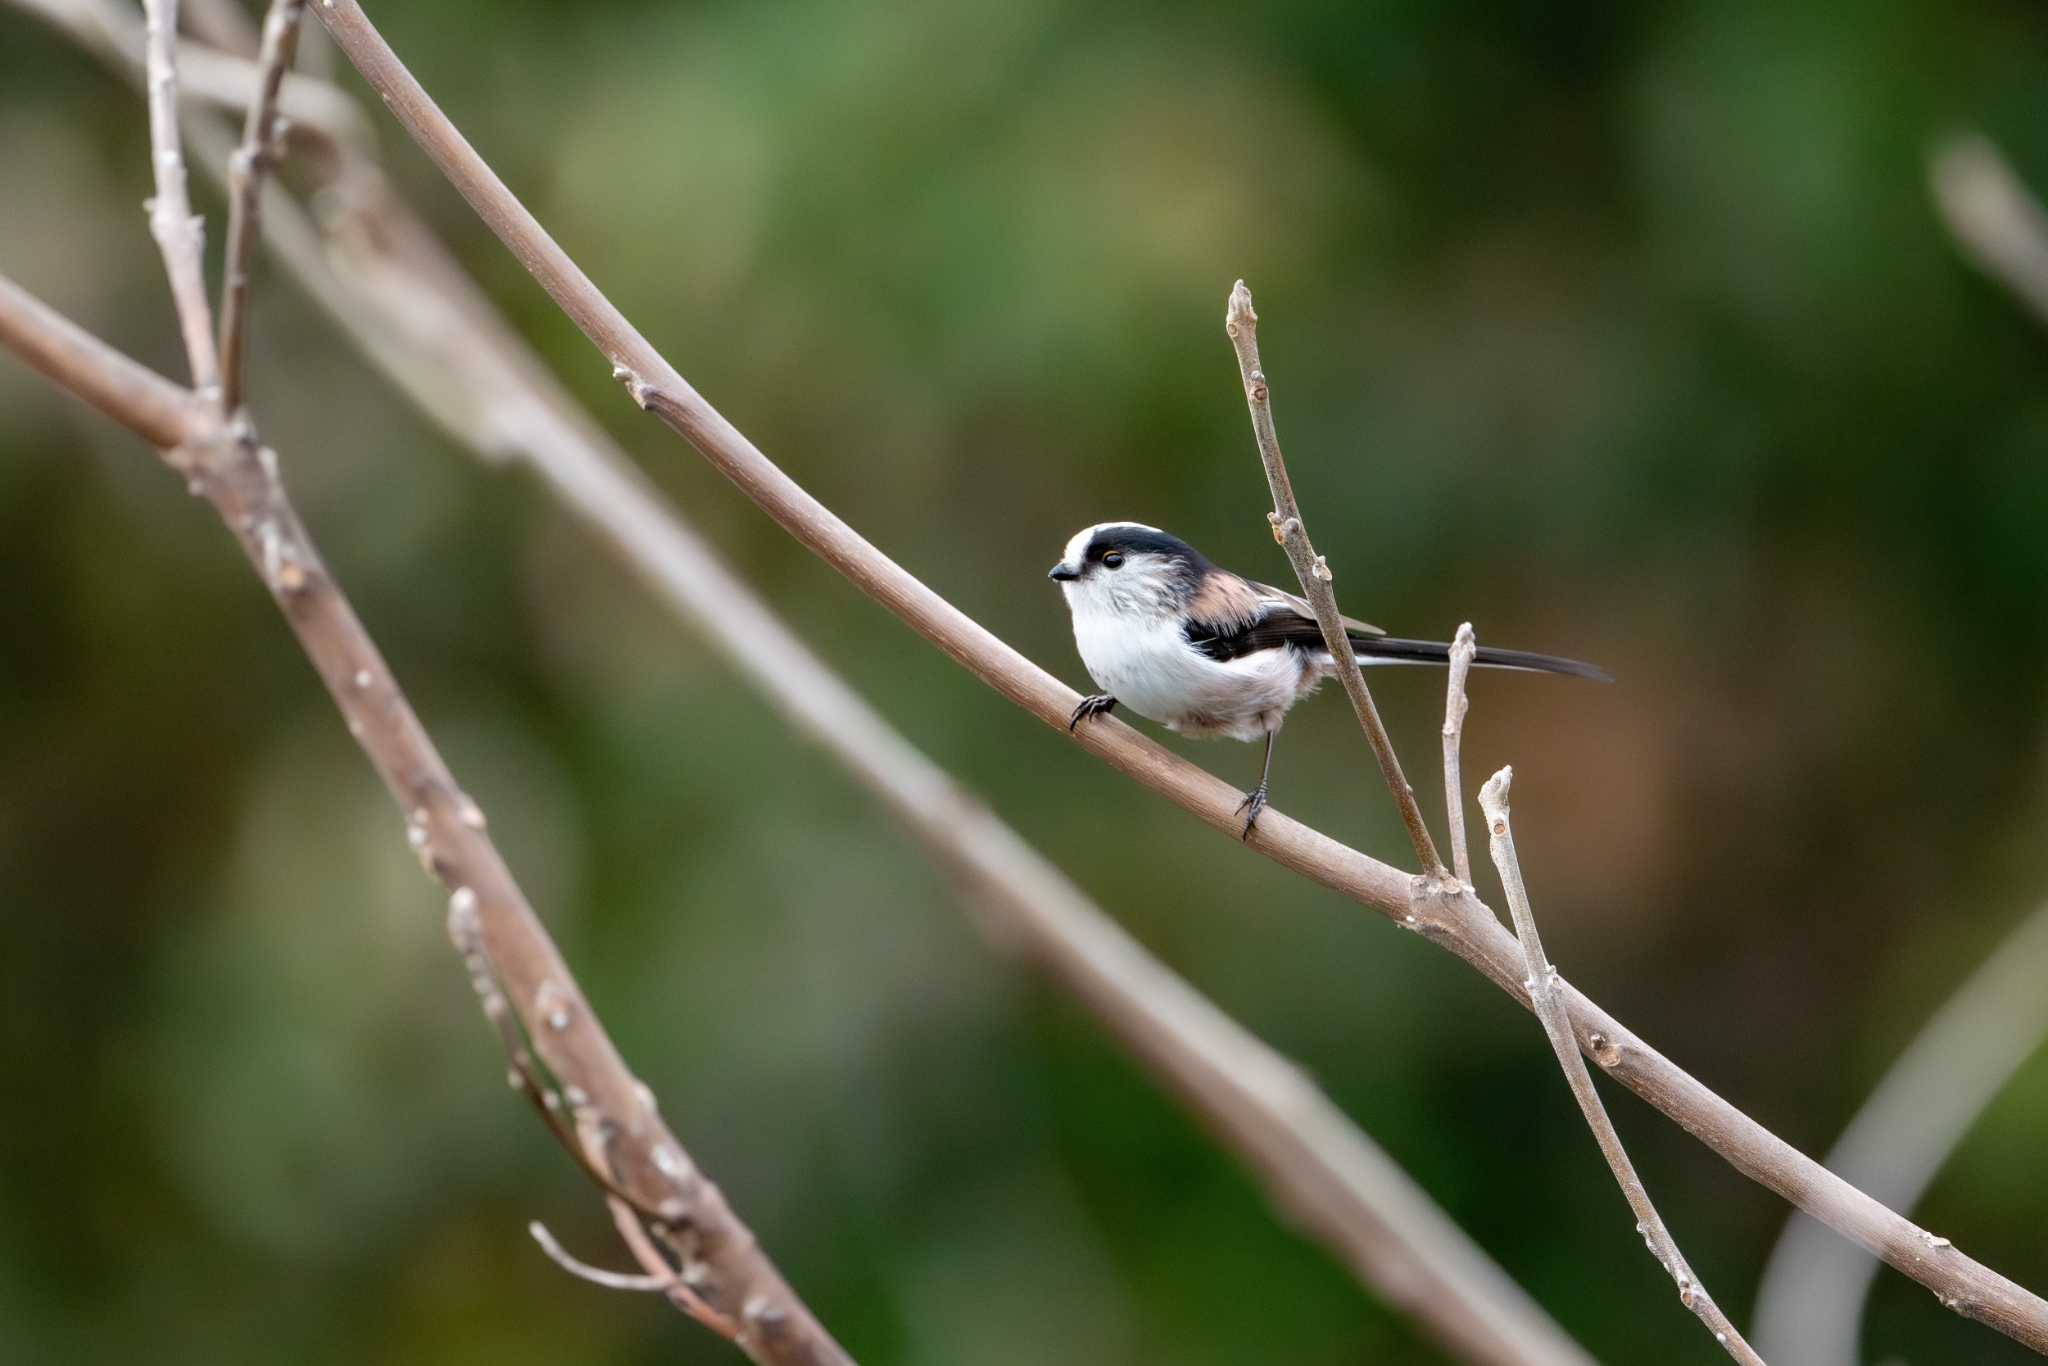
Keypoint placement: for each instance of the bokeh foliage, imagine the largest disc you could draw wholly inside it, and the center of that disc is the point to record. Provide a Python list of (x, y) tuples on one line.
[(1625, 330)]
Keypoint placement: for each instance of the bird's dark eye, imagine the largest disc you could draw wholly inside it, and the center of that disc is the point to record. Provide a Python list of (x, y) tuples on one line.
[(1114, 559)]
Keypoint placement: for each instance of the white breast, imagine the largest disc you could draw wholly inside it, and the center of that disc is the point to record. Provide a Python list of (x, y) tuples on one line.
[(1151, 669)]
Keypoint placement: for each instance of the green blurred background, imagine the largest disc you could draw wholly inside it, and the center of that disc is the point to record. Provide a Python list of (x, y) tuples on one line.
[(1627, 331)]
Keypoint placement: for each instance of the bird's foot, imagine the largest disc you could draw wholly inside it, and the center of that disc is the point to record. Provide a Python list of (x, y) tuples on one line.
[(1098, 704), (1254, 802)]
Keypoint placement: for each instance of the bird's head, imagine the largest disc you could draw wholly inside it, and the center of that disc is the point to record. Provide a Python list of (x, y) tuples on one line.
[(1127, 567)]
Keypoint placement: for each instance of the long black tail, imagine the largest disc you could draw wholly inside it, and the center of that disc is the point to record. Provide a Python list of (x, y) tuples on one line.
[(1389, 650)]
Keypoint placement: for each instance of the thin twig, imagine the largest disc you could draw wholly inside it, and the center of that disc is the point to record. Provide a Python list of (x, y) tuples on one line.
[(1463, 647), (178, 231), (1990, 212), (261, 143), (634, 1234), (1461, 924), (1809, 1304), (1242, 325), (1543, 983), (426, 325), (584, 1271)]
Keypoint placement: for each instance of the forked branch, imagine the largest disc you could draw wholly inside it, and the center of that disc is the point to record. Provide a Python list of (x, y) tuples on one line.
[(407, 303), (1464, 927), (625, 1143), (606, 1116)]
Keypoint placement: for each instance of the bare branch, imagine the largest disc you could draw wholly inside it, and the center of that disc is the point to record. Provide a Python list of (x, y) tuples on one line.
[(261, 143), (178, 232), (638, 1157), (1542, 983), (1809, 1305), (422, 321), (209, 75), (1461, 923), (584, 1271), (1463, 647), (1242, 325), (74, 360), (1993, 217)]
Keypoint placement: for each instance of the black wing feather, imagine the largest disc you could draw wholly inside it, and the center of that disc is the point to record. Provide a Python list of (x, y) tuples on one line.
[(1282, 626)]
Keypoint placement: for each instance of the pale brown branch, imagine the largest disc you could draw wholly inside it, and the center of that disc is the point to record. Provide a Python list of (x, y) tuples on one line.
[(1463, 647), (1241, 323), (1809, 1304), (1459, 923), (1543, 984), (178, 231), (261, 143), (1992, 215), (427, 325), (81, 364), (637, 1156)]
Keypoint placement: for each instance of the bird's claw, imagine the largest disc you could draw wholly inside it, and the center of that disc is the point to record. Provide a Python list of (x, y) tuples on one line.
[(1254, 802), (1096, 704)]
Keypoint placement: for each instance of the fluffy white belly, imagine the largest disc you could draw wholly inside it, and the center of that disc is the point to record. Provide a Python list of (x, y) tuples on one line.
[(1157, 674)]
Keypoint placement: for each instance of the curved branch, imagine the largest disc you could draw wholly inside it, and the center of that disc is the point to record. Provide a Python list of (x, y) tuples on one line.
[(1994, 217), (1459, 922), (1809, 1305)]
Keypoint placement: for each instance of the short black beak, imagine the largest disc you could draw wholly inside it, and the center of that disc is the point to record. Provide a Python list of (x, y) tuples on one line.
[(1062, 573)]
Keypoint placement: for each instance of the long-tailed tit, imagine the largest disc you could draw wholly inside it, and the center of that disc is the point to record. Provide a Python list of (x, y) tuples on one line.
[(1205, 652)]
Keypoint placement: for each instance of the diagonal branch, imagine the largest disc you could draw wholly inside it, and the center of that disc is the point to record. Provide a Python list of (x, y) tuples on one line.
[(1543, 984), (636, 1156), (1461, 924), (1242, 325), (178, 231), (261, 140), (422, 320), (1809, 1303), (73, 359)]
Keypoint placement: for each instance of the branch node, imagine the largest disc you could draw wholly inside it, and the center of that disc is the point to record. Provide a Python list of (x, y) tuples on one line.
[(551, 1003), (672, 1164)]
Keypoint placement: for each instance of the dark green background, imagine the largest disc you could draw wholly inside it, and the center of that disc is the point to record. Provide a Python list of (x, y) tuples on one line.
[(1627, 331)]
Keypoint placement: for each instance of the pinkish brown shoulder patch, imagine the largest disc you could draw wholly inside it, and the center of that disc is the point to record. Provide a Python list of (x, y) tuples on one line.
[(1225, 600)]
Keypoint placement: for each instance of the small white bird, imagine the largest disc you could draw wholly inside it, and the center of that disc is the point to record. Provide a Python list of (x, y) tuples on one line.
[(1206, 652)]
